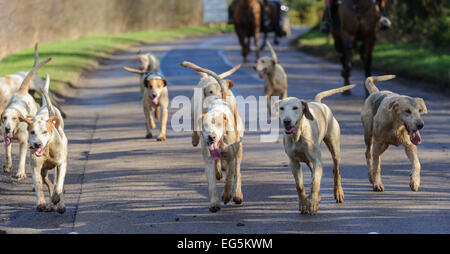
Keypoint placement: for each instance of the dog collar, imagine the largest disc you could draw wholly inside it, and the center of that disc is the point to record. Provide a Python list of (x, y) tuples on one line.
[(154, 75)]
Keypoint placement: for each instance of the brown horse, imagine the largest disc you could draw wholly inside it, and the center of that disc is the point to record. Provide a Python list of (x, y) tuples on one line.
[(247, 23), (272, 12), (353, 21)]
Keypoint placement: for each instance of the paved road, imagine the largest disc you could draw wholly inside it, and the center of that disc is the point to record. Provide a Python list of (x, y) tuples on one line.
[(119, 182)]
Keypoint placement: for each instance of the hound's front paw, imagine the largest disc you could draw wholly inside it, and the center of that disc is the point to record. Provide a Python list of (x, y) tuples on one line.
[(237, 199), (414, 184), (41, 207), (214, 208), (161, 138), (7, 169), (339, 195), (226, 197), (379, 187), (149, 135), (313, 204), (61, 209), (21, 176), (50, 208), (302, 206)]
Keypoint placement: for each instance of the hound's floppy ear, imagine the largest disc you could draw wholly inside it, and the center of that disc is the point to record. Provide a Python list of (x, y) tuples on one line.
[(229, 83), (25, 120), (393, 105), (165, 81), (422, 104), (55, 121), (306, 111), (139, 53), (228, 123), (273, 62)]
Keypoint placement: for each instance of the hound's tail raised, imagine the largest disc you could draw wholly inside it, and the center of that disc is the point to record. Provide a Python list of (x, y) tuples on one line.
[(370, 82), (24, 87), (274, 55), (45, 89), (45, 97), (324, 94)]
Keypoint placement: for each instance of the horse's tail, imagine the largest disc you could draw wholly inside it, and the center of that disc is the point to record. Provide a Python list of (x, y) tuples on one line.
[(324, 94), (370, 82)]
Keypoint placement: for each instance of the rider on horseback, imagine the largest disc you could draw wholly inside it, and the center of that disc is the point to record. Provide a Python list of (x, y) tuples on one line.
[(231, 7), (330, 10), (264, 18)]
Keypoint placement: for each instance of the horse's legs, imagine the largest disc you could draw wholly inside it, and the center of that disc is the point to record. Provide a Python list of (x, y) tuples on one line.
[(256, 43), (246, 48), (244, 44), (347, 62), (263, 45), (275, 39), (343, 45), (366, 56), (340, 48)]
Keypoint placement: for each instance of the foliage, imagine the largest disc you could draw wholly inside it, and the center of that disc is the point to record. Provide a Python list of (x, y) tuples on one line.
[(403, 58), (425, 22), (421, 22), (308, 11), (72, 57)]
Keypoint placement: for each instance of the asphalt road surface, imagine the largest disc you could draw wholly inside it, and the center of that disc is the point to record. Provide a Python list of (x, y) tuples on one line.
[(120, 182)]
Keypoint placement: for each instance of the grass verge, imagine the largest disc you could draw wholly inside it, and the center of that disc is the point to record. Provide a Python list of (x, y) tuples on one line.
[(72, 57), (403, 59)]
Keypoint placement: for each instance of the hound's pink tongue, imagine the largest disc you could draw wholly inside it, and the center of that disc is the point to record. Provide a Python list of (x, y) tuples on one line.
[(415, 137), (214, 151), (7, 139), (292, 130), (39, 151), (261, 75), (155, 100)]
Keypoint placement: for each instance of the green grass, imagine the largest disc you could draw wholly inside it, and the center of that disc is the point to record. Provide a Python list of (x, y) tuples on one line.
[(73, 57), (405, 59)]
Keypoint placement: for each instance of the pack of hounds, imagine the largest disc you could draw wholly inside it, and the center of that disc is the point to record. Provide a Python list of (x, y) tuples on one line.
[(387, 118)]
